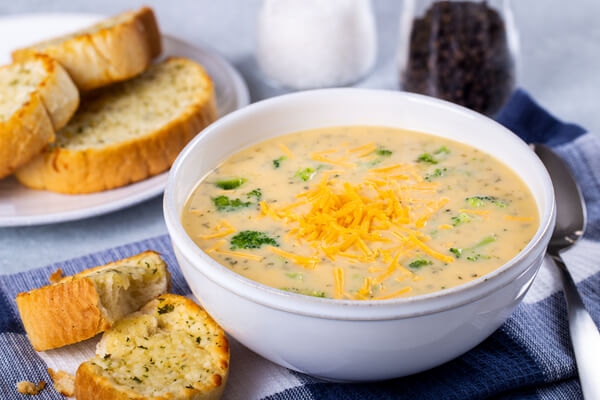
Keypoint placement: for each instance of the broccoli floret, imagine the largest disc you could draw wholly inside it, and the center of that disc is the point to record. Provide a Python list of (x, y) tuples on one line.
[(436, 173), (295, 275), (306, 292), (442, 149), (305, 174), (480, 201), (419, 263), (427, 158), (486, 240), (224, 203), (461, 218), (472, 255), (476, 257), (277, 161), (256, 193), (456, 251), (229, 184), (251, 240), (383, 152)]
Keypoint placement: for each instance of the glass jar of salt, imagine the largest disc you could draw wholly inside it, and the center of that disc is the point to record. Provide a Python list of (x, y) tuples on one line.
[(462, 51), (304, 44)]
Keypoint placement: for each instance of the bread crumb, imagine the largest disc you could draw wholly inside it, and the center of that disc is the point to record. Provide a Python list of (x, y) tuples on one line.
[(26, 387), (64, 383), (56, 276)]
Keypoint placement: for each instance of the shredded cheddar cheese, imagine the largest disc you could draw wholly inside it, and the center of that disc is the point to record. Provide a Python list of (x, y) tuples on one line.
[(239, 254), (220, 233), (339, 162), (364, 147), (339, 219), (338, 274), (396, 294), (216, 246), (307, 262), (287, 151)]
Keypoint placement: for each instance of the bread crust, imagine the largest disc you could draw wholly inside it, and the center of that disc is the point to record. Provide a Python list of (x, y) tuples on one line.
[(27, 131), (66, 312), (96, 169), (89, 385), (61, 314), (110, 54)]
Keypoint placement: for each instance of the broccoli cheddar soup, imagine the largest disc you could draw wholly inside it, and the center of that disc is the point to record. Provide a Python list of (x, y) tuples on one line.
[(361, 213)]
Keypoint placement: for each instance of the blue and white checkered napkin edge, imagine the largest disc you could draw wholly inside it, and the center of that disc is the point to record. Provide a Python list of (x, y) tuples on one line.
[(528, 357)]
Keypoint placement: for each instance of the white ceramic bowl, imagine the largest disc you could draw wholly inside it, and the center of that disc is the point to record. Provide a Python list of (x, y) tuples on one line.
[(342, 339)]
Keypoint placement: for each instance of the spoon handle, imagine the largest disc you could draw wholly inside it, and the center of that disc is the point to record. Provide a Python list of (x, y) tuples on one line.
[(584, 334)]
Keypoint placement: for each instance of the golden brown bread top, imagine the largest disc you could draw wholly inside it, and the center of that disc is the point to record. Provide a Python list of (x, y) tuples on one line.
[(170, 349)]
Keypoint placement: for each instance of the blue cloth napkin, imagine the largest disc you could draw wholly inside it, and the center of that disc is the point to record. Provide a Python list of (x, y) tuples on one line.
[(529, 357)]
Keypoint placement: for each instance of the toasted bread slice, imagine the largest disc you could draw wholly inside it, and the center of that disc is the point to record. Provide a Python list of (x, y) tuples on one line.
[(130, 131), (113, 50), (37, 97), (170, 349), (80, 306)]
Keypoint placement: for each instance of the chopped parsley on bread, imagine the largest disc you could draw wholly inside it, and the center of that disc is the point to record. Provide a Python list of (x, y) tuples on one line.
[(80, 306), (170, 349), (37, 98), (126, 132), (111, 51)]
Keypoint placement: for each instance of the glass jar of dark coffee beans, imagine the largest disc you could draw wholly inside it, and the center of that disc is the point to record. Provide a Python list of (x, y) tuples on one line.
[(461, 51)]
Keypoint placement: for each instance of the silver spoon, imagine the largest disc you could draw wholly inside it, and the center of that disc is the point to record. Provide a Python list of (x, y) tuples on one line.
[(570, 224)]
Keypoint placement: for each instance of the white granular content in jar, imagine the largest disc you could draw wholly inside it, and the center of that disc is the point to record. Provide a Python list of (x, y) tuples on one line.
[(306, 44)]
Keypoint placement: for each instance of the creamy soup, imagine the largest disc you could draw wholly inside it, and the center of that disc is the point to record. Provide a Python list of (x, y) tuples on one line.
[(361, 213)]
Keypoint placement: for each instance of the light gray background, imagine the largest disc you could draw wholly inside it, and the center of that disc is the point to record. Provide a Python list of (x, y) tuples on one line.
[(560, 60)]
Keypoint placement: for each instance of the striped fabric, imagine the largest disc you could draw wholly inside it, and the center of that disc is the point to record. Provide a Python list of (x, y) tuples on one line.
[(529, 357)]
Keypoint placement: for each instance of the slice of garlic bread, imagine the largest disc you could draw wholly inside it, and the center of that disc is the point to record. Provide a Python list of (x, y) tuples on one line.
[(113, 50), (170, 349), (127, 132), (80, 306), (37, 97)]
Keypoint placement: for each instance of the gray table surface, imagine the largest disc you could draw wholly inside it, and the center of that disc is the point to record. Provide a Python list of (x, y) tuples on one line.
[(560, 60)]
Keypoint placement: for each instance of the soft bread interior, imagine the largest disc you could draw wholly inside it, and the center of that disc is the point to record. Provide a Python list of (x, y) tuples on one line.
[(125, 287), (17, 82), (166, 347), (134, 108)]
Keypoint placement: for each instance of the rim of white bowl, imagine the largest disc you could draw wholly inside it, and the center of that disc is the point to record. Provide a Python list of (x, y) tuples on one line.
[(342, 309)]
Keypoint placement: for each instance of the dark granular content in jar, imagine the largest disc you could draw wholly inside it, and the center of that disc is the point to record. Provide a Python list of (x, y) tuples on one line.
[(459, 52)]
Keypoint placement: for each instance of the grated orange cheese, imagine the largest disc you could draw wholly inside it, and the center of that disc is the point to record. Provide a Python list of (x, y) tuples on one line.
[(307, 262), (363, 147), (239, 254), (216, 246), (287, 151), (339, 162), (429, 250), (365, 290), (396, 294), (338, 274), (341, 219), (219, 233)]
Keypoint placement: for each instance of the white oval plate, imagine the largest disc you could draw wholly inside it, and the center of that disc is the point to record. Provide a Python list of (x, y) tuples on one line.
[(21, 206)]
